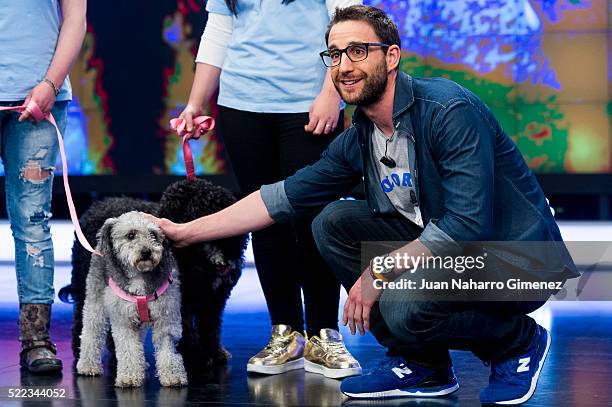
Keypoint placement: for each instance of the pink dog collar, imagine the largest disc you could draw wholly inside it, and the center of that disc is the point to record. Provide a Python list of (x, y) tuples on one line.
[(140, 300)]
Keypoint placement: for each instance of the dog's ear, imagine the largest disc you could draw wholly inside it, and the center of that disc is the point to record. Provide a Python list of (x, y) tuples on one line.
[(167, 244), (105, 240)]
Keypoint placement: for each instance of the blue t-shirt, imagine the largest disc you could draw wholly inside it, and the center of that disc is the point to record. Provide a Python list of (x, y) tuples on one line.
[(272, 61), (29, 30)]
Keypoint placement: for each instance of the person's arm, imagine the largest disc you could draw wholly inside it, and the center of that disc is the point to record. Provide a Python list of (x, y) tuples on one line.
[(205, 84), (300, 194), (209, 61), (70, 40), (363, 294), (464, 144), (247, 215), (325, 109)]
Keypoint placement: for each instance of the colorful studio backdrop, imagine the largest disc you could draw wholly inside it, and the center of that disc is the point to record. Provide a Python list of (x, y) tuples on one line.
[(543, 66)]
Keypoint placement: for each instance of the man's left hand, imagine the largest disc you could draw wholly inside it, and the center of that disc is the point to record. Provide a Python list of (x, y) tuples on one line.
[(44, 96), (323, 114), (358, 305)]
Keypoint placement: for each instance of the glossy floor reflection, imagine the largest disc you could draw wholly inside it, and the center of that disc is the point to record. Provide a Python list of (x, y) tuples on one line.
[(577, 373)]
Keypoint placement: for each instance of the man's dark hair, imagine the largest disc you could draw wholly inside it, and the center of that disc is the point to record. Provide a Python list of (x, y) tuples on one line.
[(383, 26)]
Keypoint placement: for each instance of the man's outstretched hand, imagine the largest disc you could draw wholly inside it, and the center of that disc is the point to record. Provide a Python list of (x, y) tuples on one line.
[(173, 231)]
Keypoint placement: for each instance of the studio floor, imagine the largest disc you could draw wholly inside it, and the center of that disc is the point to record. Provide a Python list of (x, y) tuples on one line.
[(578, 371)]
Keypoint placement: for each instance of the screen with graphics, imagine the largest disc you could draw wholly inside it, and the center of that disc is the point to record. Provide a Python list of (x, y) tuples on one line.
[(543, 66)]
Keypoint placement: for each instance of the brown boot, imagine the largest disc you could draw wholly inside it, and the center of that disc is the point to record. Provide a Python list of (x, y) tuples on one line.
[(37, 351)]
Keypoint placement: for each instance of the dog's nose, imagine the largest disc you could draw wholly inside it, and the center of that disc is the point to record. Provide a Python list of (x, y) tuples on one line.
[(145, 253)]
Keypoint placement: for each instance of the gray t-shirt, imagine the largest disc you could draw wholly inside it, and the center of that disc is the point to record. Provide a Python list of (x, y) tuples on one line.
[(397, 181)]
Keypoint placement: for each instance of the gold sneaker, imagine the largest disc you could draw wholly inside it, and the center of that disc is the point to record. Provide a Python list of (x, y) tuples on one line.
[(284, 352), (326, 354)]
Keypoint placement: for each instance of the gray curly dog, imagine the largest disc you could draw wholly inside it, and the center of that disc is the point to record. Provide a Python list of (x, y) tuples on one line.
[(137, 257)]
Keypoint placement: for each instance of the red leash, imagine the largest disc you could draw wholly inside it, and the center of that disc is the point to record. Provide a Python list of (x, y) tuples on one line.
[(202, 125), (35, 111)]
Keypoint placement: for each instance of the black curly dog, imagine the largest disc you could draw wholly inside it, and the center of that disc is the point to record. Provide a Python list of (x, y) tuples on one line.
[(208, 271)]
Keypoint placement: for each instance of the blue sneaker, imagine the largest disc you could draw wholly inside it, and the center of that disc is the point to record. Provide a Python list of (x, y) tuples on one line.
[(397, 377), (514, 381)]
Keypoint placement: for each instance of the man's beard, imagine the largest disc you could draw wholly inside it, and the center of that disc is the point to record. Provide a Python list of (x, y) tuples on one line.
[(373, 88)]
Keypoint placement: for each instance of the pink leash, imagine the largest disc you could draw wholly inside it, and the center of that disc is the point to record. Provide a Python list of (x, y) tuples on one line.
[(140, 300), (35, 111), (202, 125)]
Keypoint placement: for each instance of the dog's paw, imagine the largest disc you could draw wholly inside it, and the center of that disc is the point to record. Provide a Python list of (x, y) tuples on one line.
[(220, 356), (125, 380), (173, 376), (88, 368), (171, 371), (173, 380)]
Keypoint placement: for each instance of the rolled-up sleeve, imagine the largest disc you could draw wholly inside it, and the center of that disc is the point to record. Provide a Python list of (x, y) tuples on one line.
[(276, 202), (438, 242)]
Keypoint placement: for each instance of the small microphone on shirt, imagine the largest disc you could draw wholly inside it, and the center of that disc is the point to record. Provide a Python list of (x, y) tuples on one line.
[(389, 162), (413, 197)]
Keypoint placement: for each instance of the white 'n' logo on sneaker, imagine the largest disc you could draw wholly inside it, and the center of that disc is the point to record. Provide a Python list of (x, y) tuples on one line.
[(523, 365), (400, 372)]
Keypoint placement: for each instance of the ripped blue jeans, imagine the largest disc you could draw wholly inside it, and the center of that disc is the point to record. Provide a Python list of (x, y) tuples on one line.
[(29, 151)]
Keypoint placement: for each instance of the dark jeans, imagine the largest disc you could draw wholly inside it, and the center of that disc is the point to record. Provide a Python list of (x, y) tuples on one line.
[(421, 331), (264, 148)]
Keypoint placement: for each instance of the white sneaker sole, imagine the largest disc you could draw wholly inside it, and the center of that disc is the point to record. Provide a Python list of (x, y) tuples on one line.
[(404, 393), (276, 369), (534, 379), (331, 373)]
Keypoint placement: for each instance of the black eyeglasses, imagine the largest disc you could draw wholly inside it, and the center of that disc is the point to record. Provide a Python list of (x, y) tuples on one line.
[(354, 52)]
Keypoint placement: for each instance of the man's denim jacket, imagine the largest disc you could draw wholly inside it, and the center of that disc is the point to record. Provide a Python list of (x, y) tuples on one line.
[(469, 179)]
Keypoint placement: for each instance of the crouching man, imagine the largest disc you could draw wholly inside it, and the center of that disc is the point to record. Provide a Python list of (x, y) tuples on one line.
[(438, 170)]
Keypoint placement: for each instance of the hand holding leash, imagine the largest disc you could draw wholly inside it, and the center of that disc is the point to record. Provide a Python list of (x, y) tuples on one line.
[(43, 98), (202, 125)]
